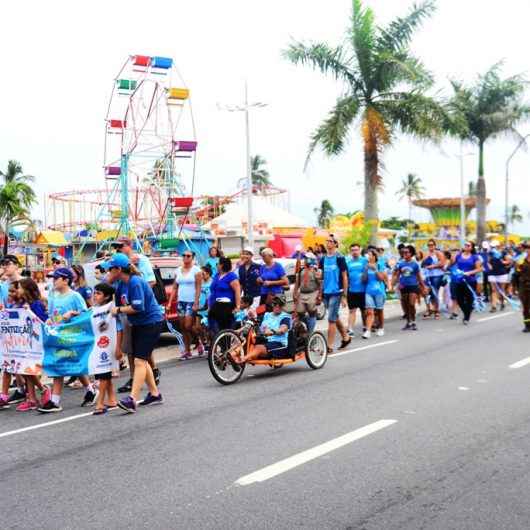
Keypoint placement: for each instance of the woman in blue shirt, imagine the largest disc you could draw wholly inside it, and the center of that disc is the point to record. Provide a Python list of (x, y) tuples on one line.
[(408, 273), (213, 258), (375, 294), (225, 297), (272, 277)]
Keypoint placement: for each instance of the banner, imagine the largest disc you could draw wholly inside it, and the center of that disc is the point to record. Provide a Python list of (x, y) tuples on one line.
[(84, 345), (21, 340)]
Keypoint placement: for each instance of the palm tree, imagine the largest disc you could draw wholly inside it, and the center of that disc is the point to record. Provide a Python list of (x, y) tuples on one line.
[(260, 176), (515, 215), (384, 90), (324, 214), (411, 188), (487, 109), (16, 198)]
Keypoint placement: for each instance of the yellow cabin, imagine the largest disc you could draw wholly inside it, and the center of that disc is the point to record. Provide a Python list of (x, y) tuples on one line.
[(180, 94)]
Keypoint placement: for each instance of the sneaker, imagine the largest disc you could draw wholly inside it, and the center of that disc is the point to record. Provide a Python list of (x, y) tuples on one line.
[(89, 399), (128, 404), (100, 412), (46, 395), (151, 400), (413, 326), (406, 327), (493, 309), (380, 332), (465, 322), (27, 405), (50, 406), (4, 404), (367, 334), (17, 397), (200, 350), (70, 381), (156, 375), (123, 366), (453, 316), (185, 356), (351, 333), (127, 387), (526, 330)]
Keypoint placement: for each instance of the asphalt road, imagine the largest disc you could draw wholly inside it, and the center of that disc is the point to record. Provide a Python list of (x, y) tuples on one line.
[(426, 429)]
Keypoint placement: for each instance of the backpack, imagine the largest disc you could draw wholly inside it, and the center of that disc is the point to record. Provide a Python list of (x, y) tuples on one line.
[(159, 290)]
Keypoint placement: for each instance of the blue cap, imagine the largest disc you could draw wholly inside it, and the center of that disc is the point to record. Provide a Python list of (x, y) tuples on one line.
[(118, 260), (63, 272)]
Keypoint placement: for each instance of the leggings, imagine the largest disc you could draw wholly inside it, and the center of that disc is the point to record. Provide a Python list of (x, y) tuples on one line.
[(464, 297), (524, 296)]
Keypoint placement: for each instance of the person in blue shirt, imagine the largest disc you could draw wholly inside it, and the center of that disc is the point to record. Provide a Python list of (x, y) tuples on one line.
[(272, 278), (201, 316), (214, 253), (356, 264), (248, 273), (468, 264), (500, 264), (407, 272), (333, 289), (136, 300), (80, 284), (484, 256), (275, 328), (375, 294)]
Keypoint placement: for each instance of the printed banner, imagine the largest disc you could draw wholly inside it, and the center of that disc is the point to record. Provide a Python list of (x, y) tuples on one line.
[(83, 345), (21, 334)]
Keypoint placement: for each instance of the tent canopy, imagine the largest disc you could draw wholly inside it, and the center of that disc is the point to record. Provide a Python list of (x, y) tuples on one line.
[(51, 237)]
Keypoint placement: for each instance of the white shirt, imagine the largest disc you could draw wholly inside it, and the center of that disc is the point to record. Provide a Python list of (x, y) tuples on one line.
[(186, 284)]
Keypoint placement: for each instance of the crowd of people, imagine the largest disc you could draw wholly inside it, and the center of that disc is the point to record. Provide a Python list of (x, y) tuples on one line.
[(219, 294)]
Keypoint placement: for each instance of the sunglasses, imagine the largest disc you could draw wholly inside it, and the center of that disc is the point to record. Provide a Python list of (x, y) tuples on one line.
[(187, 255)]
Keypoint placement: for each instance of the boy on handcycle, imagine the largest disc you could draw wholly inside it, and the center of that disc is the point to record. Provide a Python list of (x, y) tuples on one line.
[(275, 331)]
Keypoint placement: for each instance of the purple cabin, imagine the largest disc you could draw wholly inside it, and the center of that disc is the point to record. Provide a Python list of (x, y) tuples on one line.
[(113, 170), (186, 146)]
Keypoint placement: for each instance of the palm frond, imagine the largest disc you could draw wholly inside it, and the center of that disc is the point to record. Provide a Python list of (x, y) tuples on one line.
[(362, 34), (332, 134)]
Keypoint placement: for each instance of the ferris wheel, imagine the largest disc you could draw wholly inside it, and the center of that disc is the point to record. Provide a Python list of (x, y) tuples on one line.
[(150, 145)]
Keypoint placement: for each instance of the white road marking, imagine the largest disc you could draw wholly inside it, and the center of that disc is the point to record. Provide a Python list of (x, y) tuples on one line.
[(485, 319), (463, 388), (482, 380), (370, 346), (306, 456), (42, 425), (520, 364)]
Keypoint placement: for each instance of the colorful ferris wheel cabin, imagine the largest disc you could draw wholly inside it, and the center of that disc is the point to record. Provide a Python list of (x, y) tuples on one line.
[(126, 86), (180, 205), (186, 148), (116, 126), (112, 172), (177, 96)]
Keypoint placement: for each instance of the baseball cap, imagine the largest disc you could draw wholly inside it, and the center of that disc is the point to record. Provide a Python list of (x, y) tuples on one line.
[(10, 258), (118, 260), (278, 300), (249, 250), (310, 256), (63, 272), (485, 245)]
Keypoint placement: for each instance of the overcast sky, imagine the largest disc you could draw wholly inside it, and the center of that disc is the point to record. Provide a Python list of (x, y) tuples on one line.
[(60, 59)]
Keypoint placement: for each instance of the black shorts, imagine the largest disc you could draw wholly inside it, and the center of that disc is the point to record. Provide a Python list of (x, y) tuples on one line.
[(277, 350), (356, 301), (107, 376), (410, 289), (144, 339)]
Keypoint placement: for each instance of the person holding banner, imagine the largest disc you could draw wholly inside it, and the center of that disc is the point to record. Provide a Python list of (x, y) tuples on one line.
[(63, 304), (136, 300)]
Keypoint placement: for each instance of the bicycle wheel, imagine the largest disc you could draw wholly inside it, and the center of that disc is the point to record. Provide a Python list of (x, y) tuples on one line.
[(221, 368), (316, 353)]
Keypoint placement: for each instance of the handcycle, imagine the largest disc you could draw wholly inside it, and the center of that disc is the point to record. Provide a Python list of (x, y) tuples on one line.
[(229, 343)]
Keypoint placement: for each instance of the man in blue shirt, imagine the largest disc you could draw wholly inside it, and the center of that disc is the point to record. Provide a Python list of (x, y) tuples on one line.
[(333, 290), (248, 273), (356, 264), (135, 298), (486, 269)]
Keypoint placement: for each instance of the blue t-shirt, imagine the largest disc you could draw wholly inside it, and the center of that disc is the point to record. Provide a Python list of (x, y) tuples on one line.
[(86, 293), (374, 286), (248, 279), (39, 309), (332, 269), (212, 262), (145, 268), (221, 288), (274, 273), (497, 267), (485, 260), (59, 304), (205, 293), (4, 292), (466, 265), (138, 294), (408, 271), (272, 321), (356, 268)]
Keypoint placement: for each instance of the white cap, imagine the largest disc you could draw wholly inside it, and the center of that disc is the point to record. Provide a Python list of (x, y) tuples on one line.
[(298, 247), (494, 244), (249, 250), (485, 245), (310, 255), (267, 250)]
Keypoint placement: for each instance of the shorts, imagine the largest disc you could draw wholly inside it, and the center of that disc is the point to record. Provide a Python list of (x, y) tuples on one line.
[(332, 303), (144, 340), (277, 349), (374, 301), (452, 290), (185, 309), (356, 301), (107, 376), (307, 303), (502, 278), (410, 289)]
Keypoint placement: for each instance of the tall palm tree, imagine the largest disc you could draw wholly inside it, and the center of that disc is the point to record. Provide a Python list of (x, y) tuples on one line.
[(515, 215), (384, 91), (324, 214), (16, 198), (411, 188), (259, 175), (492, 106)]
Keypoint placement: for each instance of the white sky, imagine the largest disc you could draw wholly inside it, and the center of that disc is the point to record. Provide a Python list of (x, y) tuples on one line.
[(60, 59)]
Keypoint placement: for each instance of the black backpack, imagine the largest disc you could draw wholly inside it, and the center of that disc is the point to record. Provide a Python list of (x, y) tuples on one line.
[(159, 290)]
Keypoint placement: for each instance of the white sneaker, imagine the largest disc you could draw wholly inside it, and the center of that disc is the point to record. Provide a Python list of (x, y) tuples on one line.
[(380, 332), (351, 333), (367, 334)]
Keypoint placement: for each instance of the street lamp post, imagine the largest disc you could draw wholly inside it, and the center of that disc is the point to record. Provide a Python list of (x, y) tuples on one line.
[(245, 108), (506, 187), (462, 196)]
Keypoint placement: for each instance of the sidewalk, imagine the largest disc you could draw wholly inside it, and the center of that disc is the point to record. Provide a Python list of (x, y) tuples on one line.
[(169, 351)]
